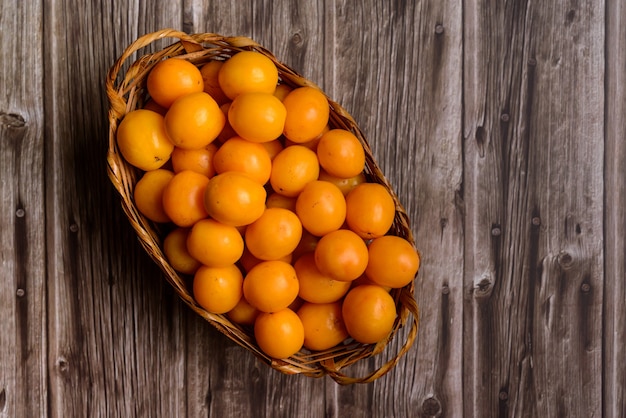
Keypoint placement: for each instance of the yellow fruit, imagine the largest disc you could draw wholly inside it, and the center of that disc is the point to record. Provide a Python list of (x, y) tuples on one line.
[(143, 140), (279, 334), (369, 313), (234, 199), (247, 72)]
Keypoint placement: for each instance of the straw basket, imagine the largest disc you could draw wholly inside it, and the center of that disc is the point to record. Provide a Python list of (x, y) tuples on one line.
[(126, 91)]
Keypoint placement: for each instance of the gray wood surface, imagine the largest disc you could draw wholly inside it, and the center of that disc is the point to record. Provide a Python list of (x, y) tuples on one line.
[(501, 126), (614, 313), (533, 131)]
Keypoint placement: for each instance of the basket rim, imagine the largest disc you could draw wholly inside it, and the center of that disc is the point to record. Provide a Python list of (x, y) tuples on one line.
[(123, 89)]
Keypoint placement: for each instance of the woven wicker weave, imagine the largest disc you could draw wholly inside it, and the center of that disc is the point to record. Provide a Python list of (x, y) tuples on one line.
[(126, 91)]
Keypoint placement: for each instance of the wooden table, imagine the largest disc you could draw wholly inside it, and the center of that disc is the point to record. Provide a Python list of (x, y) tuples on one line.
[(501, 125)]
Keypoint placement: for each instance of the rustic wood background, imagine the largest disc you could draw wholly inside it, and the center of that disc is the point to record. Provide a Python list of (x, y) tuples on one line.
[(501, 124)]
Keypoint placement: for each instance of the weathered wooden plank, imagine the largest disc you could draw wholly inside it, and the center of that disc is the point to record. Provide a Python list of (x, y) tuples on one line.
[(224, 18), (483, 183), (533, 170), (398, 72), (23, 337), (115, 327), (614, 384)]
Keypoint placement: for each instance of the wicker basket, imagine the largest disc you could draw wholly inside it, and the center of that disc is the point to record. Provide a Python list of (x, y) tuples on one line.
[(126, 91)]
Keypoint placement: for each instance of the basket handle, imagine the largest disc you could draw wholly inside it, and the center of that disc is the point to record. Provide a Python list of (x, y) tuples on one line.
[(190, 43), (117, 102), (407, 299)]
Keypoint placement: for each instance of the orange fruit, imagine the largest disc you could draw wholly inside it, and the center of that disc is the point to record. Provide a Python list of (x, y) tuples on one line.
[(366, 280), (257, 117), (198, 160), (307, 244), (183, 198), (342, 255), (370, 210), (393, 261), (248, 260), (148, 194), (344, 184), (321, 207), (295, 305), (271, 286), (246, 72), (243, 313), (173, 78), (238, 154), (277, 200), (273, 147), (209, 72), (234, 198), (307, 114), (175, 249), (282, 90), (143, 140), (218, 289), (315, 286), (340, 153), (194, 121), (323, 325), (312, 144), (279, 334), (227, 131), (292, 169), (274, 235), (214, 244), (155, 107), (369, 313)]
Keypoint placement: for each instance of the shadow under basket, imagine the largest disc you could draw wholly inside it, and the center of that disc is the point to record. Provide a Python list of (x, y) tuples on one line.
[(126, 91)]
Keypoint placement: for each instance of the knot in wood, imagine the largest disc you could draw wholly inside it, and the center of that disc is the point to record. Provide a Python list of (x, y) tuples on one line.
[(431, 406), (62, 364), (565, 260), (12, 120), (296, 39), (483, 287), (570, 16)]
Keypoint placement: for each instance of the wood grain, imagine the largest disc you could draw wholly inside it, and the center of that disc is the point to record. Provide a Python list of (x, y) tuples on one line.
[(23, 304), (534, 155), (115, 328), (614, 383), (500, 125)]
